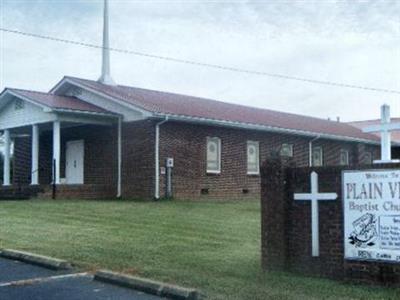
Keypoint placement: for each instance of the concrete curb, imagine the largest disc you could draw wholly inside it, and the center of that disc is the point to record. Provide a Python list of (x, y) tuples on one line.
[(44, 261), (147, 286)]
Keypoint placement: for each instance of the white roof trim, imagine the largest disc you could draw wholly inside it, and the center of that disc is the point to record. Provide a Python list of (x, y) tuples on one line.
[(85, 112), (101, 94), (58, 85), (252, 126)]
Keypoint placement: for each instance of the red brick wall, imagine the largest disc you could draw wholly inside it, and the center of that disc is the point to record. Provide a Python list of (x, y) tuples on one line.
[(79, 191), (138, 159), (1, 168), (22, 161), (100, 160), (186, 143), (286, 227), (100, 150)]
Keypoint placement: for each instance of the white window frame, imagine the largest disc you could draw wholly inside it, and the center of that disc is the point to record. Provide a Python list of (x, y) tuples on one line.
[(218, 140), (291, 150), (318, 148), (257, 144), (347, 157)]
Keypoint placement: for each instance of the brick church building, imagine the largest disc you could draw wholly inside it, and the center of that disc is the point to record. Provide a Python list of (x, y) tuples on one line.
[(96, 139), (109, 140)]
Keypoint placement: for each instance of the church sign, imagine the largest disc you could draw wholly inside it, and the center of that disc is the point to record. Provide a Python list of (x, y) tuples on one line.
[(371, 200)]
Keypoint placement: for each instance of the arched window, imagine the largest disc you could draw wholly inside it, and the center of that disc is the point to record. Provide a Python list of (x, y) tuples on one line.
[(253, 158), (213, 155)]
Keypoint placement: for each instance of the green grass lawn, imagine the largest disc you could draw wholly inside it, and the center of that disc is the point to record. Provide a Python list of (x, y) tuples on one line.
[(213, 246)]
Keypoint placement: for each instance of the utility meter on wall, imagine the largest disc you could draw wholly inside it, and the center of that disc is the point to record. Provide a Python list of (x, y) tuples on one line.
[(170, 162)]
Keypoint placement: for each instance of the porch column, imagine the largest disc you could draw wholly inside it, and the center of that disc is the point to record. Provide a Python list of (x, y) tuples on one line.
[(6, 168), (35, 155), (56, 152)]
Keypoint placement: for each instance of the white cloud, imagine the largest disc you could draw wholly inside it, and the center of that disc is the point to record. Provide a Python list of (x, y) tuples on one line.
[(346, 41)]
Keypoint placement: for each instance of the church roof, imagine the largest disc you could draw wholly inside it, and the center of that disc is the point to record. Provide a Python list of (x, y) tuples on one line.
[(58, 102), (165, 103)]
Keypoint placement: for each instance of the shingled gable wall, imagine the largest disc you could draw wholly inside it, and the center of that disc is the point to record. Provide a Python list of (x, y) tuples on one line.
[(286, 227), (186, 143)]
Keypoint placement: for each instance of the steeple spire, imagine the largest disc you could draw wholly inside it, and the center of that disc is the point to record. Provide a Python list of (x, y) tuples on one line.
[(105, 69)]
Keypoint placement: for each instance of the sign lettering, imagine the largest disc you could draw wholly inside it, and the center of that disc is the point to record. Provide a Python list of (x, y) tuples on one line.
[(371, 202)]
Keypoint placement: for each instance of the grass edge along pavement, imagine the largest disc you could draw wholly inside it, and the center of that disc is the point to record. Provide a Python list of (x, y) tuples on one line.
[(211, 246), (36, 259), (148, 286), (137, 283)]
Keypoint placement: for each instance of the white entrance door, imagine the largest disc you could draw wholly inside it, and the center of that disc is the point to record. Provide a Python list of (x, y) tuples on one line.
[(74, 162)]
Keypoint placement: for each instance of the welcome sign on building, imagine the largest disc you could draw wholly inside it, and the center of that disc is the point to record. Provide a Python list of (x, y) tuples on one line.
[(372, 215)]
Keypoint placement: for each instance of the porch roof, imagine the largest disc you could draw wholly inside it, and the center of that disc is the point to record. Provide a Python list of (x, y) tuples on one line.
[(41, 108), (57, 103)]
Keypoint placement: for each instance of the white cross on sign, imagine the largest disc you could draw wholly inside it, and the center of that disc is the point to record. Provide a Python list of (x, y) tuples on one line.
[(314, 197), (384, 128)]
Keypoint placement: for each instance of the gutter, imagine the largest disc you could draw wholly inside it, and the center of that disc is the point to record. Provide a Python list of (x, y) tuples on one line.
[(119, 160), (157, 159)]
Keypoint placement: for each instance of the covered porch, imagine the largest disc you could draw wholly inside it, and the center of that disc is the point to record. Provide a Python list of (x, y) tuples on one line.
[(75, 150)]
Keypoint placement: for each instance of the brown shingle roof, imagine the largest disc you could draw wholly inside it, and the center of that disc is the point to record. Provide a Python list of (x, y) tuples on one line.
[(188, 106), (58, 102)]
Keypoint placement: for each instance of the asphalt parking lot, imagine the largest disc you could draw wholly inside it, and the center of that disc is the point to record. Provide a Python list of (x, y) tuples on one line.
[(22, 281)]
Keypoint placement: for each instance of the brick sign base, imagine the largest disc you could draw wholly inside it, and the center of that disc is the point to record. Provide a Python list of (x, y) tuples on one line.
[(286, 227)]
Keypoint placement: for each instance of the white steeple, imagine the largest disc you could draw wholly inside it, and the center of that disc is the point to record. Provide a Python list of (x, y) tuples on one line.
[(105, 69)]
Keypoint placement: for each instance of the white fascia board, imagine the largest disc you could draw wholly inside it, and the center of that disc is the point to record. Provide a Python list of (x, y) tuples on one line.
[(58, 85), (251, 126), (52, 118), (4, 94), (145, 113), (84, 119), (84, 112)]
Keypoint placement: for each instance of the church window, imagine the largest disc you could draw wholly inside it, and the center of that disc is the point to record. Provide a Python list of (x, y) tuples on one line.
[(213, 155), (317, 157), (287, 150), (344, 157), (253, 158)]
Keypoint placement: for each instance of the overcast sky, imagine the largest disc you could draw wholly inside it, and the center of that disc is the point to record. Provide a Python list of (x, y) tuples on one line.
[(355, 42)]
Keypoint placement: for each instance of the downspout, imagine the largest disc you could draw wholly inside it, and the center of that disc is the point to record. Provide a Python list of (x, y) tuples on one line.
[(157, 159), (310, 146), (119, 153)]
